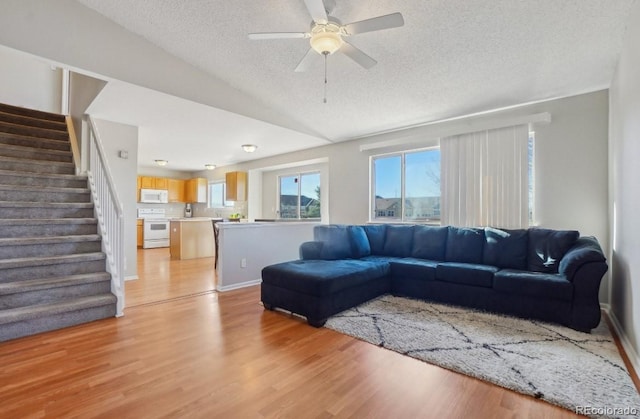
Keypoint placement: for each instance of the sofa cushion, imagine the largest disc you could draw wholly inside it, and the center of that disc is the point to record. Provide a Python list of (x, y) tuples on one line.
[(336, 241), (547, 247), (413, 269), (398, 241), (533, 284), (376, 234), (466, 273), (359, 242), (323, 277), (505, 248), (429, 242), (464, 245)]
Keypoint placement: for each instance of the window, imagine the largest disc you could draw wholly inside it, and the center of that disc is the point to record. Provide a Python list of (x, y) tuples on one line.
[(300, 196), (217, 193), (406, 186)]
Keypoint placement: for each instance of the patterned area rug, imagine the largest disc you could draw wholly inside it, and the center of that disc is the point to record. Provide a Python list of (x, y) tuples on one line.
[(559, 365)]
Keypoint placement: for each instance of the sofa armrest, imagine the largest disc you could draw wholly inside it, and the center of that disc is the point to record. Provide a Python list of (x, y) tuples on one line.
[(311, 250), (585, 250)]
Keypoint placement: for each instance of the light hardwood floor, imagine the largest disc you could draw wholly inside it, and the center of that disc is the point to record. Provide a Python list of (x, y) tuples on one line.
[(220, 355)]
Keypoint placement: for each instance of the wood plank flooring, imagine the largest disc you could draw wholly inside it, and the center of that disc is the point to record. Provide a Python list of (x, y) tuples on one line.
[(220, 355)]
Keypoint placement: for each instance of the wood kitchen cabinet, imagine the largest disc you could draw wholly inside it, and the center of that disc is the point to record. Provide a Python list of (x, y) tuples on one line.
[(140, 229), (192, 238), (236, 186), (196, 190), (149, 182), (177, 189)]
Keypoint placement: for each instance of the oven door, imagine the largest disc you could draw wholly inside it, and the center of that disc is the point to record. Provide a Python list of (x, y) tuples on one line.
[(156, 234)]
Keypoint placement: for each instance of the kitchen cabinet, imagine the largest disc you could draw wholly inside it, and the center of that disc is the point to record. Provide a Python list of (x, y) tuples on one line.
[(149, 182), (139, 228), (236, 186), (191, 238), (176, 190), (196, 190)]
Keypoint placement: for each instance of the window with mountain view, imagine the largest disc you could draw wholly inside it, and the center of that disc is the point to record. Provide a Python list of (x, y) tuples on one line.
[(300, 196), (406, 186)]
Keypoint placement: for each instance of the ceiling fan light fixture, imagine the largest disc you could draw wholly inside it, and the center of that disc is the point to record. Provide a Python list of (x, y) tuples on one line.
[(326, 42), (249, 148)]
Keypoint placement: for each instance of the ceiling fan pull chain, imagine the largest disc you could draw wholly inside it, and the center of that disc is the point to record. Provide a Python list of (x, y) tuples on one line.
[(325, 76)]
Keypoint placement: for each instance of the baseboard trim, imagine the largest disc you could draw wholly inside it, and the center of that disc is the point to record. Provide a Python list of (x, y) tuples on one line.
[(624, 340), (131, 277), (245, 284)]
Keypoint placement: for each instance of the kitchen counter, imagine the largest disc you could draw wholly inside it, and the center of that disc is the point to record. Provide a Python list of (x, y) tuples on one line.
[(191, 238)]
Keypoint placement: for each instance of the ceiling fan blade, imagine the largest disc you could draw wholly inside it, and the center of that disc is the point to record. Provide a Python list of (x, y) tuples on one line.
[(306, 61), (357, 55), (278, 35), (394, 20), (317, 10)]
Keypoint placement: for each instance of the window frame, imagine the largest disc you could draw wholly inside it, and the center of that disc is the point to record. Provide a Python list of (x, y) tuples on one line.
[(225, 203), (373, 212), (299, 175)]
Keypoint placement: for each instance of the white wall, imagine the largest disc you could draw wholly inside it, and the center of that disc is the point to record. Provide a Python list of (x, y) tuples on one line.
[(29, 82), (624, 196), (117, 137), (67, 32), (259, 245)]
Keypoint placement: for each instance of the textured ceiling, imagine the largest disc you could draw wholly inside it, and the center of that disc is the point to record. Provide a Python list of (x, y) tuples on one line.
[(452, 57)]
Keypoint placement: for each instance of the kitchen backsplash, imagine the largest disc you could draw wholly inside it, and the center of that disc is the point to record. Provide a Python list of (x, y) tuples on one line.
[(202, 210), (171, 210)]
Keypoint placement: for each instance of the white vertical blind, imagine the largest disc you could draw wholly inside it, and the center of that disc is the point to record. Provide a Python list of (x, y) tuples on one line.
[(485, 178)]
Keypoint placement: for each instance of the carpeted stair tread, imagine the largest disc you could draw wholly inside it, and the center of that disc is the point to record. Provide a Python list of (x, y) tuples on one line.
[(9, 177), (45, 221), (51, 134), (19, 204), (33, 113), (49, 260), (32, 122), (36, 163), (45, 175), (30, 241), (44, 189), (35, 153), (37, 142), (68, 305), (28, 166), (28, 285)]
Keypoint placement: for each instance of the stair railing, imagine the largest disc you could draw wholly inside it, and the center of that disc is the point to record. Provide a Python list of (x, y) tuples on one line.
[(108, 211)]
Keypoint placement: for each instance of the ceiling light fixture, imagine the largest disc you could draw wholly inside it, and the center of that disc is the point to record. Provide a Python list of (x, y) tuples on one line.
[(161, 162), (249, 148), (210, 166), (325, 38)]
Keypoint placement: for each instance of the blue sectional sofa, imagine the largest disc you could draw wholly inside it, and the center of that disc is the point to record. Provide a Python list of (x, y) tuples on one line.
[(551, 275)]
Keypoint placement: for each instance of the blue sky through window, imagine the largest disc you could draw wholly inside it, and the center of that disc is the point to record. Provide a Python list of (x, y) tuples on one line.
[(422, 177)]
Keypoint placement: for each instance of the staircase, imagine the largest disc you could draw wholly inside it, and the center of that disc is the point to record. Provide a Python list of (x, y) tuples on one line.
[(52, 269)]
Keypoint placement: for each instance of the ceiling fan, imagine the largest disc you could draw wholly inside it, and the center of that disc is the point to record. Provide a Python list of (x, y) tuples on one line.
[(327, 34)]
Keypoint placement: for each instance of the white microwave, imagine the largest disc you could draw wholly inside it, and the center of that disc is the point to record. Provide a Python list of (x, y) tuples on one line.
[(154, 196)]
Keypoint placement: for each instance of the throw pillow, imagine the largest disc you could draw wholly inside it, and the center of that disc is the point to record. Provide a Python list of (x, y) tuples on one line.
[(547, 247), (376, 234), (359, 242)]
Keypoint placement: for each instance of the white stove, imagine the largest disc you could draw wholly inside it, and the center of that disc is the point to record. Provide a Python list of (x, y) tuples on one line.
[(155, 227)]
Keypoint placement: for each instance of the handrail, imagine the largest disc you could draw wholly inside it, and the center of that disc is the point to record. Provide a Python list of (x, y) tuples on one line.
[(108, 211), (75, 150)]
